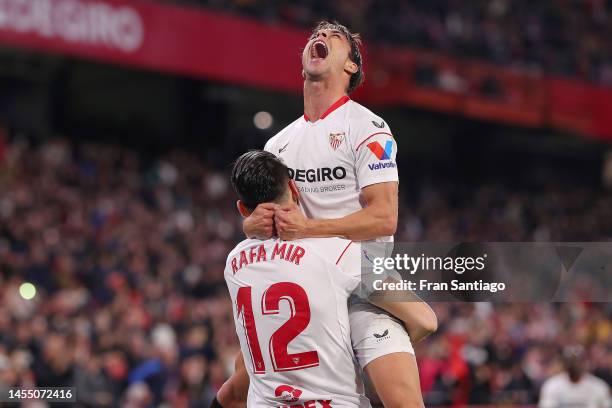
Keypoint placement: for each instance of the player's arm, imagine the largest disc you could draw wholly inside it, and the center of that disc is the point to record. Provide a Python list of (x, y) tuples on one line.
[(233, 393), (374, 152), (260, 224), (377, 219)]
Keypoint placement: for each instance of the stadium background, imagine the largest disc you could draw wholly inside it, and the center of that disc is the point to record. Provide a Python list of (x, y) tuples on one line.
[(117, 133)]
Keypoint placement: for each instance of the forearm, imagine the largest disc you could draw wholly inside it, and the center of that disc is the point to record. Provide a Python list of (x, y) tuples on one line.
[(249, 229), (230, 395), (365, 224), (233, 393)]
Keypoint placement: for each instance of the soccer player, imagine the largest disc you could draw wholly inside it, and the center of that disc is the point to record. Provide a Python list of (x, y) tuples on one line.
[(575, 387), (342, 158), (294, 336), (256, 177)]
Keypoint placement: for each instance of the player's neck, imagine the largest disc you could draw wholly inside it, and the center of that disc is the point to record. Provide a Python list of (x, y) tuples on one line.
[(319, 96)]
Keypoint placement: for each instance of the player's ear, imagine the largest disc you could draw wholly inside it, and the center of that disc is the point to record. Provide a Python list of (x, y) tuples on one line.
[(295, 193), (242, 209), (350, 66)]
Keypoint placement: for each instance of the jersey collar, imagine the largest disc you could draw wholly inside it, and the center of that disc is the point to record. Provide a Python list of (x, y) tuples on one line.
[(344, 99)]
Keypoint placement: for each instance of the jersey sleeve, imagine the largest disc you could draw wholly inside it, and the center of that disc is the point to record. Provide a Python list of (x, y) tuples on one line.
[(346, 282), (375, 152), (349, 260), (343, 256)]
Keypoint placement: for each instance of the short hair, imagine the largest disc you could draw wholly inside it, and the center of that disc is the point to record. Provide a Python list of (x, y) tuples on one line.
[(259, 177), (354, 40), (573, 353)]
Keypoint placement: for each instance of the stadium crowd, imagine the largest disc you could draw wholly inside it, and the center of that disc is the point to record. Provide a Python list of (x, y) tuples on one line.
[(561, 37), (127, 253)]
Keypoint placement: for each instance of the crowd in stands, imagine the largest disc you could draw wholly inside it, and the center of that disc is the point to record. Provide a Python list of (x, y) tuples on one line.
[(127, 253), (560, 37)]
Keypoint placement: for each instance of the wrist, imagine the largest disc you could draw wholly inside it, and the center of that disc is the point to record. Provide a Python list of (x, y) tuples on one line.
[(246, 227), (309, 228)]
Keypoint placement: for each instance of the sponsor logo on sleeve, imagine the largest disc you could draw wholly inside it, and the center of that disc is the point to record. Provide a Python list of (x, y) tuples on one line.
[(380, 152), (382, 165), (383, 154)]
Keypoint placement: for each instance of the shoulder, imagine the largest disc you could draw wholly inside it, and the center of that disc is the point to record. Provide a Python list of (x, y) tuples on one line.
[(241, 246), (358, 111), (329, 250), (598, 383), (359, 115), (283, 134), (364, 123), (554, 382)]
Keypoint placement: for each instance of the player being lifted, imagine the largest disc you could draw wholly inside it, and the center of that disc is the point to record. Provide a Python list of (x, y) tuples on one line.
[(342, 159)]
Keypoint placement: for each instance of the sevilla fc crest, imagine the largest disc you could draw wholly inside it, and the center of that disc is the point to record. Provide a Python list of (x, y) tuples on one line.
[(336, 139)]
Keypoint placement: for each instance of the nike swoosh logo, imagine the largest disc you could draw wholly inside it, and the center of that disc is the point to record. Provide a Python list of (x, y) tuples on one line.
[(379, 125), (282, 149)]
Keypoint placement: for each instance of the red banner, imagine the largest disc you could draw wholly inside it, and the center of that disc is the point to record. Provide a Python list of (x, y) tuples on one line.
[(200, 43), (157, 36), (580, 107)]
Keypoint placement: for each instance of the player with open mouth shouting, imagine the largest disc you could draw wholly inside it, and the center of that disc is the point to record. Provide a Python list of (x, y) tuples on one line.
[(341, 156)]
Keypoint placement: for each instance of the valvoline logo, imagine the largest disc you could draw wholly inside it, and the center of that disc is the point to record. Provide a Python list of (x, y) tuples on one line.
[(287, 393), (379, 152)]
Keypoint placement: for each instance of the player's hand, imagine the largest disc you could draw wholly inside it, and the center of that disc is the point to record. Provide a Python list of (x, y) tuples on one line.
[(290, 222), (260, 224)]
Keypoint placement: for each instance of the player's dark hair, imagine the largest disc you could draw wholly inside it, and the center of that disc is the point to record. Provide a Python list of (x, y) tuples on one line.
[(259, 177), (354, 40)]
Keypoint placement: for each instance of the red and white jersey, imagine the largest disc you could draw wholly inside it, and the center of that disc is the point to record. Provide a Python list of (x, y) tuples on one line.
[(332, 159), (290, 309)]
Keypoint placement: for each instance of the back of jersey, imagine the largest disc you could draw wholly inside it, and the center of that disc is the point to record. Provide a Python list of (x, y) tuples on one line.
[(290, 310)]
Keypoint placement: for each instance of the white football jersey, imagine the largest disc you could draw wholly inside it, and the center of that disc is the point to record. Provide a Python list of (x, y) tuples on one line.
[(590, 392), (290, 309), (332, 159)]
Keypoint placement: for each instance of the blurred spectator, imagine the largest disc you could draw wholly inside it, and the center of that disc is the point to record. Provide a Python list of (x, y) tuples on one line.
[(575, 386)]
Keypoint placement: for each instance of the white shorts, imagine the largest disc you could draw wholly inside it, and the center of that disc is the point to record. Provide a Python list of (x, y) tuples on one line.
[(374, 333)]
